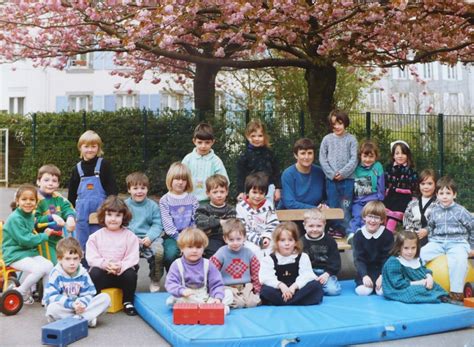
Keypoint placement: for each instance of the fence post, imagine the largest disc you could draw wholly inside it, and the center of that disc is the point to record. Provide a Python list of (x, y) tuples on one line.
[(302, 125), (441, 144), (84, 120), (247, 116), (33, 132), (368, 123), (145, 137)]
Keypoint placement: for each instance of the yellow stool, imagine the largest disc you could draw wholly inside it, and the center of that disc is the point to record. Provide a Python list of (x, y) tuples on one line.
[(439, 267), (116, 297)]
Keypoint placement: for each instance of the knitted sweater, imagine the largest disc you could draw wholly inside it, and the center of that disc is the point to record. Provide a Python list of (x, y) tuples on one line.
[(259, 222), (257, 159), (177, 212), (412, 216), (146, 218), (453, 223), (338, 154), (202, 167), (49, 205), (401, 183), (68, 289), (18, 239), (118, 246), (323, 253), (208, 218), (239, 267)]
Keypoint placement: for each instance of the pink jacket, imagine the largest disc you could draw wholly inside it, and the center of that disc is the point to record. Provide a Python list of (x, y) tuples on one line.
[(117, 246)]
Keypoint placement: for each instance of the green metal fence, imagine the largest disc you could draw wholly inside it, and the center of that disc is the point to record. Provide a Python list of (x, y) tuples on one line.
[(151, 140)]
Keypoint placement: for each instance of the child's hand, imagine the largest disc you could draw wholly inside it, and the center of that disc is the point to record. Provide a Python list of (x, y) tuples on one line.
[(146, 242), (366, 280), (322, 206), (429, 282), (378, 283), (285, 291), (422, 233), (187, 293), (265, 242), (277, 195), (79, 307), (293, 288), (59, 221), (241, 196), (214, 301), (48, 231), (471, 253), (70, 224), (323, 278), (338, 177)]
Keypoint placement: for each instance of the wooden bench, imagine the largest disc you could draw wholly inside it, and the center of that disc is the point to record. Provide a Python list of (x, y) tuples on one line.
[(329, 213)]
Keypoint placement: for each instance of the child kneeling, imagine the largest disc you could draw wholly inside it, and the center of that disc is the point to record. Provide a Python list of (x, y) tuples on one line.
[(286, 275), (70, 291), (192, 278)]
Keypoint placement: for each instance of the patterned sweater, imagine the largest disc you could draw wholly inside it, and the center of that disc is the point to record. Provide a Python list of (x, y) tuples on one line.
[(453, 223), (208, 218), (338, 154), (49, 205), (177, 212), (401, 183)]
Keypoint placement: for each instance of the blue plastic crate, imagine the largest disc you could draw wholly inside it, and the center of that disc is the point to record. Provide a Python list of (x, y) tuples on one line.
[(64, 331)]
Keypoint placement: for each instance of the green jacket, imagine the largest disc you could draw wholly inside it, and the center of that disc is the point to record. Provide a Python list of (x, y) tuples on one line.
[(18, 239)]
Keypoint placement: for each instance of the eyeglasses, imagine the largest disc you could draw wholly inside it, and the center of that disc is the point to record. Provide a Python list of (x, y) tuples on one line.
[(373, 217)]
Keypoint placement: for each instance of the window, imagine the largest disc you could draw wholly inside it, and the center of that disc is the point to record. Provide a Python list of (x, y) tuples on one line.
[(428, 71), (128, 100), (78, 103), (402, 74), (174, 101), (451, 73), (403, 103), (453, 105), (80, 61), (220, 101), (17, 105), (375, 98)]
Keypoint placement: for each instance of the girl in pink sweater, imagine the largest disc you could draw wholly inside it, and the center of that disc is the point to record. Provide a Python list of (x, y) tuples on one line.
[(113, 252)]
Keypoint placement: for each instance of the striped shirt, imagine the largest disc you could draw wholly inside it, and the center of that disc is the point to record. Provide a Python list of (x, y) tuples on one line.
[(259, 223), (177, 212)]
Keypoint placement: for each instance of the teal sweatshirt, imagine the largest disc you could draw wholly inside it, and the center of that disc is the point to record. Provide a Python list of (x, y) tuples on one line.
[(146, 218)]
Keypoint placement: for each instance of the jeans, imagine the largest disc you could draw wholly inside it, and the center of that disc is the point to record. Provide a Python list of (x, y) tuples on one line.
[(340, 194), (332, 286)]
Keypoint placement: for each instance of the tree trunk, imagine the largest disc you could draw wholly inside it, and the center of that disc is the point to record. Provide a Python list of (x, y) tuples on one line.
[(321, 87), (205, 90)]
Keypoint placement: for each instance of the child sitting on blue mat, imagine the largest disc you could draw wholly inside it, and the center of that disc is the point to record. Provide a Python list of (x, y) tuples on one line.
[(192, 278), (286, 275), (404, 278), (70, 291), (371, 246)]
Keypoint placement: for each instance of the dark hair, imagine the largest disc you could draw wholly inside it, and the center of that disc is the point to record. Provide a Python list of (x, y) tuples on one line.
[(69, 245), (137, 179), (446, 182), (427, 173), (51, 169), (400, 240), (215, 181), (24, 188), (368, 147), (203, 131), (258, 181), (115, 204), (341, 116), (303, 144), (405, 150)]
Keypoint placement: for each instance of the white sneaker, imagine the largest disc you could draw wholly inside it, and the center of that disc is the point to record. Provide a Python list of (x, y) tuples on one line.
[(154, 287), (50, 319), (92, 323), (28, 299), (226, 310)]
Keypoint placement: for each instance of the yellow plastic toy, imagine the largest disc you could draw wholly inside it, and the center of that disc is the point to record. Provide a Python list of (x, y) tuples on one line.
[(439, 266), (116, 297)]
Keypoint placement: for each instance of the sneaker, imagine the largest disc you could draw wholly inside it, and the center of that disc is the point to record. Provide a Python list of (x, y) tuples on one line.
[(50, 319), (92, 323), (129, 309), (28, 299), (456, 296), (154, 286), (226, 310)]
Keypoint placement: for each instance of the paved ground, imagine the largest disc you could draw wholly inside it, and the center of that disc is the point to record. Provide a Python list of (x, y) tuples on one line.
[(24, 329)]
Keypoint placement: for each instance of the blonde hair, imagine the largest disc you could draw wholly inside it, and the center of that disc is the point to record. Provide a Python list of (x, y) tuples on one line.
[(178, 171), (68, 245), (290, 228), (192, 237), (231, 225), (314, 213), (253, 126), (90, 137), (376, 208)]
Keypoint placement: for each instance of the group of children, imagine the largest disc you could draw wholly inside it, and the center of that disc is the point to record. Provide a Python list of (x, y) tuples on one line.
[(241, 256)]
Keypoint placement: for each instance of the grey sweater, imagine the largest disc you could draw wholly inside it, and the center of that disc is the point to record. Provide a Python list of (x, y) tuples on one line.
[(452, 223), (338, 154)]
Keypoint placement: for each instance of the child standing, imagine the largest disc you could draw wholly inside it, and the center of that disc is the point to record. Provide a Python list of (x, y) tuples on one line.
[(203, 162), (401, 182), (92, 180), (322, 251), (258, 158), (286, 275), (52, 207), (371, 247), (146, 224), (418, 211), (404, 278), (239, 267), (193, 278), (177, 209), (257, 213), (211, 216), (338, 158), (450, 232), (70, 291), (369, 183), (19, 244), (113, 252)]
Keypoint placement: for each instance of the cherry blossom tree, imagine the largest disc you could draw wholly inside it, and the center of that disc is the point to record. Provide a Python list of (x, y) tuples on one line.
[(200, 37)]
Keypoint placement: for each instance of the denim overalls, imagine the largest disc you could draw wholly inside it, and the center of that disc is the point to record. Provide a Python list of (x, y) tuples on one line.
[(90, 195)]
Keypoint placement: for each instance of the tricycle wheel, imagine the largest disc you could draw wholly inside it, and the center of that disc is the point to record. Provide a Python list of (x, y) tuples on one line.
[(11, 302)]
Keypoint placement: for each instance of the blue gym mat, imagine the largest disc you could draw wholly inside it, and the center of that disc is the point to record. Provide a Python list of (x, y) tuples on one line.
[(342, 320)]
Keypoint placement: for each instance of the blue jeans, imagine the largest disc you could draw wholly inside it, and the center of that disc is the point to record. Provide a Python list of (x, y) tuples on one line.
[(340, 194), (332, 286)]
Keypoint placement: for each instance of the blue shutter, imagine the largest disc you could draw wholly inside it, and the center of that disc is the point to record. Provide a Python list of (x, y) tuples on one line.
[(144, 101), (97, 61), (188, 103), (61, 103), (109, 102), (108, 59), (154, 102), (98, 103)]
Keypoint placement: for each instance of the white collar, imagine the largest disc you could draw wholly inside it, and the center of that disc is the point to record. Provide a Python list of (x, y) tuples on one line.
[(414, 263), (375, 235)]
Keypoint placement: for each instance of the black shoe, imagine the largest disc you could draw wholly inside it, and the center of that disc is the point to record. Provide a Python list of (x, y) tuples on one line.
[(129, 309)]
